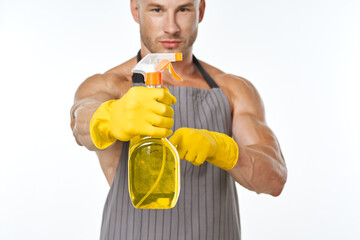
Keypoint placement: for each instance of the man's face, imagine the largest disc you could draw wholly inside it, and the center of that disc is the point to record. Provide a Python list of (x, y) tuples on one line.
[(168, 25)]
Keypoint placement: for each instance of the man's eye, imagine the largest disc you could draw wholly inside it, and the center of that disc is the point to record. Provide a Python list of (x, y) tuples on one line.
[(183, 9), (156, 10)]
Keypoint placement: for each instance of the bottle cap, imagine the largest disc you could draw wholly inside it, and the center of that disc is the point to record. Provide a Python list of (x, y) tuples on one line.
[(153, 78)]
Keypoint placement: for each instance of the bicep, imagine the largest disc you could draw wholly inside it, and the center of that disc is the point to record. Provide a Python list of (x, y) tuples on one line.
[(249, 125), (249, 129)]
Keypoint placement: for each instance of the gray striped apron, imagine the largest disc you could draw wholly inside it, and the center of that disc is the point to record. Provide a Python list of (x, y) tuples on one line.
[(207, 207)]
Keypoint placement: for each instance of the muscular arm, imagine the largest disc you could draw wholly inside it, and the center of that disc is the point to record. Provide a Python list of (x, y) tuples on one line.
[(261, 166), (89, 96)]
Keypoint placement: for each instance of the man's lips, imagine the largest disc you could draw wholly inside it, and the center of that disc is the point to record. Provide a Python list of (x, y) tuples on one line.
[(170, 43)]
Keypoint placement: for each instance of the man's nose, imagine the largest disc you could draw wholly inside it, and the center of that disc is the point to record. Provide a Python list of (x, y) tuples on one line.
[(171, 26)]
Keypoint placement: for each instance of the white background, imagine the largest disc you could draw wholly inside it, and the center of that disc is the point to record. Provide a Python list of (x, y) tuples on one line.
[(302, 56)]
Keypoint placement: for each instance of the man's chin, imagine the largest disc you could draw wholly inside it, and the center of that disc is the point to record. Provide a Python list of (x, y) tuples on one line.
[(169, 50)]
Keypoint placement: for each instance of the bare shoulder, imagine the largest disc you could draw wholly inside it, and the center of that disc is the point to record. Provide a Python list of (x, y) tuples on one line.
[(241, 93), (114, 83)]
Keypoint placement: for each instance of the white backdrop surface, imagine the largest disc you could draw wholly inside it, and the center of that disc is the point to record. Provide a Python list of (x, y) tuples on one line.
[(302, 56)]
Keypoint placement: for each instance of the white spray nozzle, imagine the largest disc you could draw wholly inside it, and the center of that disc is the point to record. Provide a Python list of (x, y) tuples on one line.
[(153, 64)]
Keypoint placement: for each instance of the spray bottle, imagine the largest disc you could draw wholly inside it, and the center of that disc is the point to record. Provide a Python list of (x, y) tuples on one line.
[(154, 164)]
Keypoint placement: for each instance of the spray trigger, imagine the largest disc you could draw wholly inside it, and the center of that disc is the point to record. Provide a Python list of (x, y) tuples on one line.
[(166, 64)]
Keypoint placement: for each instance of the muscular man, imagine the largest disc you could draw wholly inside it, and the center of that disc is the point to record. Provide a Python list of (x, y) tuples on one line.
[(220, 111)]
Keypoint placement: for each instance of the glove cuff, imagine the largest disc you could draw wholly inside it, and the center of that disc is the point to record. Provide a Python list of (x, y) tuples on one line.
[(100, 126), (227, 152)]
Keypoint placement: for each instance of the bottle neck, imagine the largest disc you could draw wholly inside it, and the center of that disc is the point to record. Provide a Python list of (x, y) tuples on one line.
[(154, 86)]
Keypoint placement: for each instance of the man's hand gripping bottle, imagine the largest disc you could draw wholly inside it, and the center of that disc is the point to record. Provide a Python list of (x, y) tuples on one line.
[(154, 164)]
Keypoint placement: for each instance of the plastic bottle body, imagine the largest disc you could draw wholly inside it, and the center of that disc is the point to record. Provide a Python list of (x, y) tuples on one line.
[(154, 163), (154, 173)]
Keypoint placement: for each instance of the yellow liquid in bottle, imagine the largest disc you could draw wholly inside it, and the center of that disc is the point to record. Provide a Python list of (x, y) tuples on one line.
[(154, 173)]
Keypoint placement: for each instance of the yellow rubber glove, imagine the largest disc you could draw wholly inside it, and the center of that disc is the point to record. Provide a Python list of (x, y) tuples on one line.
[(141, 111), (199, 145)]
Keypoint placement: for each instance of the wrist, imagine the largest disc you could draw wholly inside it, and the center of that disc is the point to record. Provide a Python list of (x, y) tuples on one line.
[(100, 127), (227, 151)]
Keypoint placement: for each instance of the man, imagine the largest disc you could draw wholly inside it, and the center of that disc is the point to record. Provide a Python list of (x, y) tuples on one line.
[(211, 106)]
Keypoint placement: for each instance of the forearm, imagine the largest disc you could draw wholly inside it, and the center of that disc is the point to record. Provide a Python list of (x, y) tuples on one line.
[(260, 168), (81, 114)]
